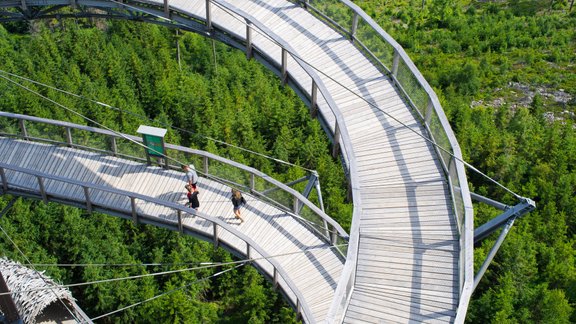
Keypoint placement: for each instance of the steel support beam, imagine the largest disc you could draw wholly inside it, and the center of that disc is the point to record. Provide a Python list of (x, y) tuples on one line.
[(489, 201), (524, 207), (289, 184), (309, 186), (319, 192), (492, 253)]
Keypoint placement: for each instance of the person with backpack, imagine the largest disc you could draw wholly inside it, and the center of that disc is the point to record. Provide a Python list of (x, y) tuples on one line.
[(192, 195)]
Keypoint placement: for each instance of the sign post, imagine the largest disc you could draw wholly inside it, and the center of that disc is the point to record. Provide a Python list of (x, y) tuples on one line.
[(153, 139)]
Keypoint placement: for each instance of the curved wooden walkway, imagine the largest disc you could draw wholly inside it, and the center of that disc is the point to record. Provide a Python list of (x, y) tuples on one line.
[(407, 266), (315, 272), (408, 256)]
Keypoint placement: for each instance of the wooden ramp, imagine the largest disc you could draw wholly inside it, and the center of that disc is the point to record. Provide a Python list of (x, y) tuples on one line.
[(314, 273)]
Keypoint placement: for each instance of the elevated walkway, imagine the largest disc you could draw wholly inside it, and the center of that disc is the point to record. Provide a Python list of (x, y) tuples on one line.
[(410, 252), (304, 264)]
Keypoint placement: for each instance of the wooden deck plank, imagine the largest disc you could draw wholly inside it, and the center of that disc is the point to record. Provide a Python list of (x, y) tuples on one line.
[(19, 159), (35, 154), (407, 297), (59, 156), (412, 262), (398, 313)]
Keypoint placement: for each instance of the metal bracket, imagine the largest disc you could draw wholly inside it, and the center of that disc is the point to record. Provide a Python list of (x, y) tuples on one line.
[(507, 218), (524, 207)]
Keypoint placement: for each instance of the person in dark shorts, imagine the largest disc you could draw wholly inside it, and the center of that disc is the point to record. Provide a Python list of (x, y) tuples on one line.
[(192, 195), (238, 201)]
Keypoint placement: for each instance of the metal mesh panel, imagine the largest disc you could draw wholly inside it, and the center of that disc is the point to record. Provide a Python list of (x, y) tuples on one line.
[(233, 176), (336, 11), (129, 148), (377, 46), (262, 186), (177, 159), (440, 138), (9, 126), (281, 197), (91, 139), (412, 87), (457, 193), (314, 221), (46, 131)]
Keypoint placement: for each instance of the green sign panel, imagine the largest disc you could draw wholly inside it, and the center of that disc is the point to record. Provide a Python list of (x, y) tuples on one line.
[(154, 144)]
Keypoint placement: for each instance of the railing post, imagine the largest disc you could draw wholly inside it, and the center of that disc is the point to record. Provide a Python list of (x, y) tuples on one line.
[(4, 180), (298, 309), (395, 63), (23, 126), (208, 16), (215, 235), (248, 251), (296, 205), (69, 137), (252, 182), (284, 66), (206, 165), (336, 143), (166, 9), (314, 100), (354, 26), (248, 40), (88, 201), (42, 190), (134, 214), (333, 236), (275, 278), (114, 146), (180, 227)]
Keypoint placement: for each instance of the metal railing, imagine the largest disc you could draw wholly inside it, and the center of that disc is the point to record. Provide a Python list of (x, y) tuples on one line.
[(390, 57), (209, 165), (39, 189)]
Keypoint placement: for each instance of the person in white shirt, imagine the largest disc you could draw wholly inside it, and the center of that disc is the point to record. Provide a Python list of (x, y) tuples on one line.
[(191, 175)]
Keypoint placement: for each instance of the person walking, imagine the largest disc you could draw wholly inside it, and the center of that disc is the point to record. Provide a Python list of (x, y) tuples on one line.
[(238, 201), (191, 175), (192, 195)]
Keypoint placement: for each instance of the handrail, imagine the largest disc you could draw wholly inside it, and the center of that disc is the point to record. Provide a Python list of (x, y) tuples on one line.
[(433, 107), (177, 207), (295, 194)]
